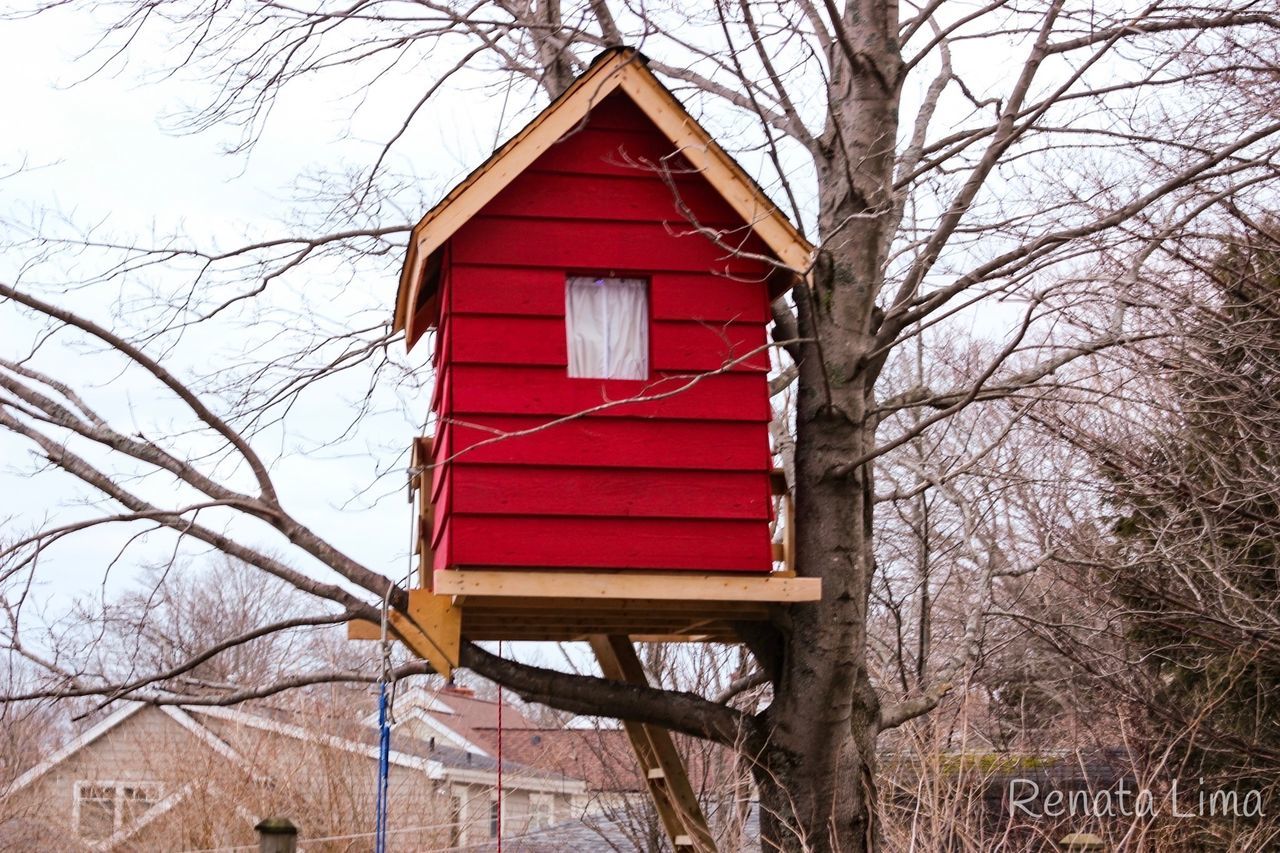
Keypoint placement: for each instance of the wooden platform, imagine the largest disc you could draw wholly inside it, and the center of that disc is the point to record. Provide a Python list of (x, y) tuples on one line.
[(564, 606), (568, 606)]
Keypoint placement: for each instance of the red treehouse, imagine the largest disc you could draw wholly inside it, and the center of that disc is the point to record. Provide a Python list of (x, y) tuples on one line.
[(599, 292)]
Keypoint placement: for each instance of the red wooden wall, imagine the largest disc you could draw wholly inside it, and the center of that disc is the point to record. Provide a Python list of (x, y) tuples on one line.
[(680, 482)]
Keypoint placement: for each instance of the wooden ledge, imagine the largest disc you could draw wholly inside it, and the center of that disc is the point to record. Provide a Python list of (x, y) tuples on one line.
[(649, 586)]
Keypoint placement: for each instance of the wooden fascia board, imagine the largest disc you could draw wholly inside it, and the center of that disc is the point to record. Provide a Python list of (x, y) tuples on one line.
[(720, 170), (407, 289), (648, 586)]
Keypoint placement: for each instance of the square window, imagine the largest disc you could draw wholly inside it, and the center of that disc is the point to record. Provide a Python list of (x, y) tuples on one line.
[(541, 811), (607, 327), (104, 808), (97, 811)]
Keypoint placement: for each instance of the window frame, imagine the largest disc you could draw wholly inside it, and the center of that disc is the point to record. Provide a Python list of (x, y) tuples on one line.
[(459, 798), (646, 281), (154, 791), (537, 800), (497, 811)]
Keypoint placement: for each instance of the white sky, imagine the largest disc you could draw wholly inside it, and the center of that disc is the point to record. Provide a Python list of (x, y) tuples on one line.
[(103, 155)]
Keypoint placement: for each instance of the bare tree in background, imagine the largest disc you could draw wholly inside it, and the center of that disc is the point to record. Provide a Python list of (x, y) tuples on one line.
[(987, 183), (1175, 570), (169, 620)]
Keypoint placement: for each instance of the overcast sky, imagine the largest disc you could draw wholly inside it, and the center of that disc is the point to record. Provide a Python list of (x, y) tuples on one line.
[(102, 152)]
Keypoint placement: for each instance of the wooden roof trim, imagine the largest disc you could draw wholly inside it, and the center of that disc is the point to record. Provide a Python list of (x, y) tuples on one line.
[(721, 171), (620, 68)]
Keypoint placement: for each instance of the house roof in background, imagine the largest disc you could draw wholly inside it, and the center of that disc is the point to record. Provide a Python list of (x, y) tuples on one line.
[(439, 760), (601, 757), (76, 744), (601, 832)]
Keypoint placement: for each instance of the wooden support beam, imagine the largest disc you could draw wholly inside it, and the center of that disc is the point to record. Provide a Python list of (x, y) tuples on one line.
[(653, 586), (420, 486), (363, 629), (660, 763), (432, 629)]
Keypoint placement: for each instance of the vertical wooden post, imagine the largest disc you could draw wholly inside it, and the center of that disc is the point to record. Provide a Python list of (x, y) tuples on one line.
[(660, 764), (420, 482), (786, 549), (277, 835)]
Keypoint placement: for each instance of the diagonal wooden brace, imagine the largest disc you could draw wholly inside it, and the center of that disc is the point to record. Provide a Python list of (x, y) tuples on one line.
[(660, 763), (432, 629)]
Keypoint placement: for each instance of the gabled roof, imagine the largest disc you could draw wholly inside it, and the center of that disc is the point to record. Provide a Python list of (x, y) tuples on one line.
[(182, 715), (619, 68), (71, 747)]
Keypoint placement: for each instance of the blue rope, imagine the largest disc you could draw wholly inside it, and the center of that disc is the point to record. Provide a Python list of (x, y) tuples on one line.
[(384, 769)]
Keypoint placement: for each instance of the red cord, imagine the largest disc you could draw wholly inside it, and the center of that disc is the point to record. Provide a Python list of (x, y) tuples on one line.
[(499, 757)]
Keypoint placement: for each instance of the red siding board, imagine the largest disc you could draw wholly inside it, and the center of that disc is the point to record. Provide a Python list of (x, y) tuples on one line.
[(566, 244), (441, 395), (619, 197), (438, 358), (508, 290), (443, 506), (489, 389), (618, 492), (677, 346), (441, 450), (442, 555), (708, 298), (610, 543), (609, 151), (708, 346), (698, 297), (619, 112), (613, 442), (487, 339)]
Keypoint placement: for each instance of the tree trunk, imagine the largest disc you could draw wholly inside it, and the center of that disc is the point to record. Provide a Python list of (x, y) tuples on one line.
[(817, 779), (817, 776)]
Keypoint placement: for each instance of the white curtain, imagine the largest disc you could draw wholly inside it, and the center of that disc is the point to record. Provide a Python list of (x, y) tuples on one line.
[(607, 322)]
